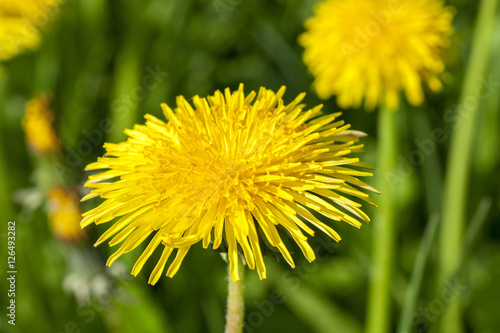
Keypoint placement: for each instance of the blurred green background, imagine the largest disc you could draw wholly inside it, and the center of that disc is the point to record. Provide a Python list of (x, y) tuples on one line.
[(93, 60)]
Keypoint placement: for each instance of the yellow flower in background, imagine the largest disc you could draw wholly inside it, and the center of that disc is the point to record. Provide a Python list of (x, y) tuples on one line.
[(31, 9), (14, 37), (372, 49), (19, 21), (65, 214), (228, 170), (37, 124)]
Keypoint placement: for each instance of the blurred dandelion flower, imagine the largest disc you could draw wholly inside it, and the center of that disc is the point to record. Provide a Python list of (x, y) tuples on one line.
[(19, 24), (37, 124), (228, 171), (65, 214), (372, 49)]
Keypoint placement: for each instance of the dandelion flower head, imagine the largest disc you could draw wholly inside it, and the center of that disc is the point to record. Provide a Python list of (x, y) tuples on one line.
[(37, 124), (228, 170), (65, 214), (19, 24), (372, 49)]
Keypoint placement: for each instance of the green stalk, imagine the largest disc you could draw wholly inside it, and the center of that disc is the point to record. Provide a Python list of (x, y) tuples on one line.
[(125, 105), (235, 302), (129, 89), (383, 226), (431, 169), (456, 182), (411, 297)]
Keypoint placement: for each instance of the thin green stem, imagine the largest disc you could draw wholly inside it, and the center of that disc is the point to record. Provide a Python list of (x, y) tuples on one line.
[(125, 105), (235, 302), (383, 226), (129, 90), (431, 169), (411, 297), (456, 182)]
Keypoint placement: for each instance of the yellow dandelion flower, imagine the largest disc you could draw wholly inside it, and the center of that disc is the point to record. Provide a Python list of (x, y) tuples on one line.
[(373, 49), (14, 37), (37, 124), (226, 170), (20, 21), (65, 214)]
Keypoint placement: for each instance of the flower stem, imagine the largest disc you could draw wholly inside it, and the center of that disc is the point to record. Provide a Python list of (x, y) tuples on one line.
[(417, 276), (456, 182), (383, 226), (235, 302)]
